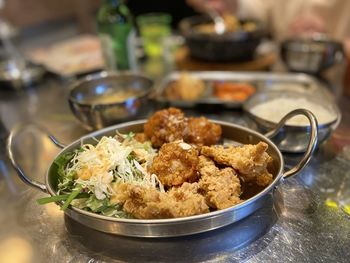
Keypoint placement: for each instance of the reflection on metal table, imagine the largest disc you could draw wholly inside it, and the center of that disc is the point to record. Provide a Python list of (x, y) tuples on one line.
[(308, 221)]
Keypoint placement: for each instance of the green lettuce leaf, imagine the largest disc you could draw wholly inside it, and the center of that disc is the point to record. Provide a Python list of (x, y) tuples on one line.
[(61, 163), (104, 207)]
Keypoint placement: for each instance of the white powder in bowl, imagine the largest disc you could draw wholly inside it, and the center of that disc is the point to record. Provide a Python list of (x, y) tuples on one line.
[(274, 110)]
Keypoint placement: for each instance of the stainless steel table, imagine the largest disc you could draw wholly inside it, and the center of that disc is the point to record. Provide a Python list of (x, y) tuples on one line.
[(307, 222)]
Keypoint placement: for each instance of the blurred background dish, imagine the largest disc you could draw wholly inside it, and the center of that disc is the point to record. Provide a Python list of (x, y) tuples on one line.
[(237, 43), (205, 88), (231, 24), (70, 57), (16, 77), (266, 108), (189, 89), (106, 98), (311, 55), (186, 87), (238, 91)]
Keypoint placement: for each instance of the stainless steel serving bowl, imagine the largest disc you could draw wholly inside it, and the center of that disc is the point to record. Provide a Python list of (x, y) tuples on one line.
[(95, 114), (293, 138), (309, 55), (174, 226)]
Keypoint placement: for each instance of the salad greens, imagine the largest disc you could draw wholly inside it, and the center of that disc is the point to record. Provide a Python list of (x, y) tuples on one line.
[(87, 176)]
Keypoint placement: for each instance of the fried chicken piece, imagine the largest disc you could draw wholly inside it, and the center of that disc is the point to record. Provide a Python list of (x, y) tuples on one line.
[(188, 200), (221, 188), (201, 131), (176, 163), (165, 126), (250, 160), (121, 193), (171, 125), (148, 203), (206, 166), (264, 178)]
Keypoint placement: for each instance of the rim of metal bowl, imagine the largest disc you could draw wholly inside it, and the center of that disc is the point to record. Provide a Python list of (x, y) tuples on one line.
[(252, 199), (105, 74)]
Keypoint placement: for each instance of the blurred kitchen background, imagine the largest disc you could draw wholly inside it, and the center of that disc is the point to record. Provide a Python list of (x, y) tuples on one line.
[(46, 32), (67, 18)]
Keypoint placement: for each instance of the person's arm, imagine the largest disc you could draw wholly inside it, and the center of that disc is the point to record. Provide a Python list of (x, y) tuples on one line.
[(307, 25), (312, 19), (221, 6), (255, 9)]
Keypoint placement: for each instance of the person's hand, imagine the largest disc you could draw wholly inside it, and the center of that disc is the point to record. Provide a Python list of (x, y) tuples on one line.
[(221, 6), (307, 25), (346, 43)]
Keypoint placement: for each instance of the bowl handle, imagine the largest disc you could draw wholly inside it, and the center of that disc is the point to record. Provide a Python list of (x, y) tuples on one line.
[(312, 141), (10, 154)]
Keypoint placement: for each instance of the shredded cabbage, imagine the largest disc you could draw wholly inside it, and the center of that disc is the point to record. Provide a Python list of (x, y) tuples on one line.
[(95, 168)]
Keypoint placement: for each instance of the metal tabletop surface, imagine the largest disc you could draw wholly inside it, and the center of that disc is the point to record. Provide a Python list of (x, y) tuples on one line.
[(308, 219)]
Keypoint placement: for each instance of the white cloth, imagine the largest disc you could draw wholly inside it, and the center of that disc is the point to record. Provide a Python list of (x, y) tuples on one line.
[(278, 14)]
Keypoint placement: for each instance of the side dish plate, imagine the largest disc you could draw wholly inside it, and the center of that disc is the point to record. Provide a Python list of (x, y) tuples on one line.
[(260, 81)]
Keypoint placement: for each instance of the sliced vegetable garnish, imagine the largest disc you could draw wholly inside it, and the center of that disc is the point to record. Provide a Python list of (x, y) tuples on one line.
[(87, 175), (57, 198), (70, 198)]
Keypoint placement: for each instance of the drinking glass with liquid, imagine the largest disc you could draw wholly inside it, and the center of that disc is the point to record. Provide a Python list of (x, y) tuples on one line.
[(154, 29)]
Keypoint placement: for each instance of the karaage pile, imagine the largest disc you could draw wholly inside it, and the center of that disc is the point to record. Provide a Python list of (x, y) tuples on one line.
[(198, 176)]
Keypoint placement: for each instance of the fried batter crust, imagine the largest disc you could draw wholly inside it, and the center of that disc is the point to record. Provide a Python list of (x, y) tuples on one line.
[(221, 188), (250, 160), (201, 131), (140, 137), (165, 126), (148, 203), (176, 163)]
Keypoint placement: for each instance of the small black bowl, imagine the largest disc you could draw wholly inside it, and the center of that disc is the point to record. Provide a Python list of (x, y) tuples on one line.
[(235, 46)]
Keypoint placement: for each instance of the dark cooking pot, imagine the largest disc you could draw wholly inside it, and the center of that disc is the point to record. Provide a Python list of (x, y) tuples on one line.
[(175, 226), (235, 46)]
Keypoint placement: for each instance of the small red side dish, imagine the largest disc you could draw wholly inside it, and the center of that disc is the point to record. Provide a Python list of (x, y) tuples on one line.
[(233, 90)]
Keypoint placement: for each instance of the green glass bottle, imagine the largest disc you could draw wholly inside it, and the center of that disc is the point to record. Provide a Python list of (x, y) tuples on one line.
[(117, 34)]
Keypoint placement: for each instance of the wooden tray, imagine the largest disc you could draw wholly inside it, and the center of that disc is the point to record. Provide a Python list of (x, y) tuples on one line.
[(184, 61)]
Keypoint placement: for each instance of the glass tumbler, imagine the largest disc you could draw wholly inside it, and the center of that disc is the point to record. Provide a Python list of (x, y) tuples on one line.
[(154, 29)]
